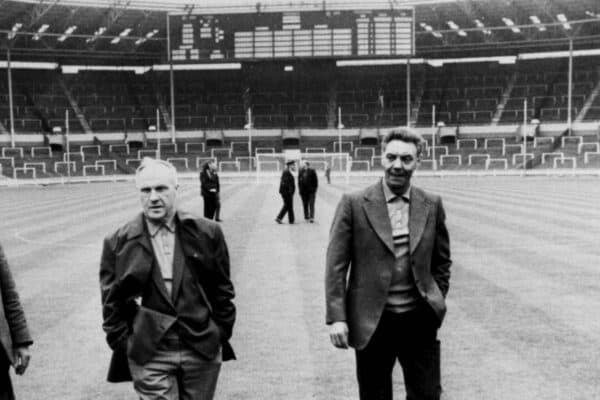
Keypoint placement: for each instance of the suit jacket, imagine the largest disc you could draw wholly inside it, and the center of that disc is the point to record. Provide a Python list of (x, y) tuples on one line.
[(360, 258), (208, 182), (13, 326), (287, 187), (308, 182), (137, 312)]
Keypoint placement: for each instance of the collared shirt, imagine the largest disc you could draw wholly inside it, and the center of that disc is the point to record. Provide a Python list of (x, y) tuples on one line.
[(402, 295), (398, 212), (162, 237)]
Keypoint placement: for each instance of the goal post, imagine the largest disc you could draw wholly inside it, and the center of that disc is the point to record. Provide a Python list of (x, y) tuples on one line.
[(272, 164)]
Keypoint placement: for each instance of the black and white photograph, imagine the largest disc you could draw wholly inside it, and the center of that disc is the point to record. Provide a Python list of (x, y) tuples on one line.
[(299, 200)]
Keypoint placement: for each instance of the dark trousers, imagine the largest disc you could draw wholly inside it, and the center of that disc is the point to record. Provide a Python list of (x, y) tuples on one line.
[(218, 207), (288, 207), (210, 205), (410, 338), (308, 204), (6, 390)]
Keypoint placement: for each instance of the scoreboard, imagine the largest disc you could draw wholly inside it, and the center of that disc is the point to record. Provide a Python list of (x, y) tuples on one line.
[(297, 34)]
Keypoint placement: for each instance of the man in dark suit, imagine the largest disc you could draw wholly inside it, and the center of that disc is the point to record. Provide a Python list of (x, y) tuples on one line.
[(210, 189), (308, 182), (287, 187), (14, 335), (388, 270), (166, 295)]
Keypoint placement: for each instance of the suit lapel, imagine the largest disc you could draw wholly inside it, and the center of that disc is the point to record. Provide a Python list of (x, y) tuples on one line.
[(418, 214), (377, 214), (178, 264), (137, 231)]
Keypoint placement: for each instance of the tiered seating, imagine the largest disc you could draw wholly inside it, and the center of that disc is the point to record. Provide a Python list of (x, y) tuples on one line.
[(115, 102), (463, 94), (546, 92), (232, 155)]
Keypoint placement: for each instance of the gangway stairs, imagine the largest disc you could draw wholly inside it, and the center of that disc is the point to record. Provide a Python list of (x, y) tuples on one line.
[(588, 103), (505, 96)]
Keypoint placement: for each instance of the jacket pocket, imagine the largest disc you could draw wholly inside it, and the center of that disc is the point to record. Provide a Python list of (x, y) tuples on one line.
[(149, 326)]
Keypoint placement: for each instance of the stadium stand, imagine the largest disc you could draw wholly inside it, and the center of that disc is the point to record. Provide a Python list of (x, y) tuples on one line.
[(470, 94), (113, 117)]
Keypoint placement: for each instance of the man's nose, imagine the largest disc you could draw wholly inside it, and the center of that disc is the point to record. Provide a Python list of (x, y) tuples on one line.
[(153, 195), (397, 164)]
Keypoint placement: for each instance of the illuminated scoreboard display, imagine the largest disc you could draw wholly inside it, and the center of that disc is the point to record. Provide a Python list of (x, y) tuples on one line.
[(280, 35)]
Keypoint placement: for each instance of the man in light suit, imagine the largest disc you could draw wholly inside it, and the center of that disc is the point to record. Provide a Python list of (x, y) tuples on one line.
[(166, 295), (14, 334), (388, 270)]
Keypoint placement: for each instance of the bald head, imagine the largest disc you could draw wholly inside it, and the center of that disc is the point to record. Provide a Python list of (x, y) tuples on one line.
[(156, 168), (156, 181)]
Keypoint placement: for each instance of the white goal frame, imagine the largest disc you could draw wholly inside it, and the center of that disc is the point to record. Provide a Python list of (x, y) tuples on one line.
[(272, 164)]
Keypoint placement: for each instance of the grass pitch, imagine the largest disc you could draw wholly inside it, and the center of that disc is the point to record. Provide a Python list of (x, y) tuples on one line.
[(523, 305)]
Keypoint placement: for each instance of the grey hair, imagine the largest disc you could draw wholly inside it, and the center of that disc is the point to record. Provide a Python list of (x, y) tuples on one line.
[(148, 162), (407, 135)]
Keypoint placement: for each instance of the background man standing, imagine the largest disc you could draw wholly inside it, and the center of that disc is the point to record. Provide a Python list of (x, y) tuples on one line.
[(308, 182), (166, 295), (14, 335), (210, 189), (287, 187), (388, 270)]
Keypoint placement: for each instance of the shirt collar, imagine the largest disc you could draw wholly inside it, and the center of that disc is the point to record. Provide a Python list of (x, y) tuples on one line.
[(154, 228), (391, 196)]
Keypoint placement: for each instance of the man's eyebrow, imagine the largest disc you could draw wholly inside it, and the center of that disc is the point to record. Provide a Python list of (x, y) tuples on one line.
[(159, 186)]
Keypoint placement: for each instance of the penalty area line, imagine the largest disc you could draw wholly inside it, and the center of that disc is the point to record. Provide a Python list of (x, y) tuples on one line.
[(22, 238)]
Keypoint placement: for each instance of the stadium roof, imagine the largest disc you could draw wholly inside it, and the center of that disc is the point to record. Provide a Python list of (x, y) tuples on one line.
[(243, 6), (134, 31)]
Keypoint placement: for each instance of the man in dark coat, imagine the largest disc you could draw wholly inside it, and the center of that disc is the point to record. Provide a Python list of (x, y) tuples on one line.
[(387, 276), (210, 189), (166, 295), (287, 187), (14, 334), (308, 182)]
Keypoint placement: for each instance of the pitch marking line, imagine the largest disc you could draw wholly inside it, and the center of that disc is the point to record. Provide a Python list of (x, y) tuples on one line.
[(22, 238)]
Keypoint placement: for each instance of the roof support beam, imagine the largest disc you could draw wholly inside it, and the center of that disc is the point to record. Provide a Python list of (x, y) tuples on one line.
[(473, 11), (38, 12), (116, 11), (551, 10)]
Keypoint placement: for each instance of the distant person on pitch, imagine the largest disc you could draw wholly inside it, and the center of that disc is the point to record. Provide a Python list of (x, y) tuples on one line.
[(14, 334), (287, 187), (308, 182), (210, 189), (327, 172), (166, 295), (387, 275)]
